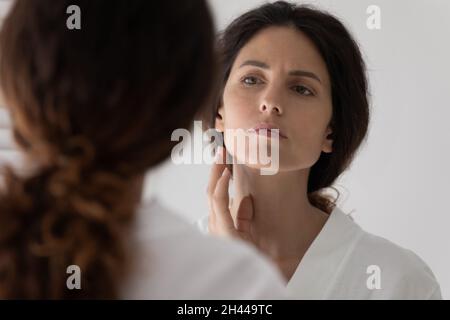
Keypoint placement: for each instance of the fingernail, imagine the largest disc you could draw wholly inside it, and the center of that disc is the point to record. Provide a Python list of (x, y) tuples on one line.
[(225, 172)]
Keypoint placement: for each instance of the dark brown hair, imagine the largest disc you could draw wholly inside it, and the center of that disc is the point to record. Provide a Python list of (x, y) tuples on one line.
[(95, 108), (346, 68)]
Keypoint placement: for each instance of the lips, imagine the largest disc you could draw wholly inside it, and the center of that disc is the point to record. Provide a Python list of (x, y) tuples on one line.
[(265, 129)]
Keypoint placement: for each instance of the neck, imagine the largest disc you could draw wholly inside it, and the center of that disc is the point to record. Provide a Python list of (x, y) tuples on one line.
[(285, 223)]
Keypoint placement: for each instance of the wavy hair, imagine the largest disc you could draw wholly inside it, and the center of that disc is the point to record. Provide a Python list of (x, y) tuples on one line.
[(92, 109)]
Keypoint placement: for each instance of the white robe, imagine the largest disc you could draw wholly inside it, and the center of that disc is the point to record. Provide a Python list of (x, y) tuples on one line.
[(346, 262), (172, 260)]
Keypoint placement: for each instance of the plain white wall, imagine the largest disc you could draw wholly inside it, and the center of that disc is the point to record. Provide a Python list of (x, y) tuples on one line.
[(398, 185)]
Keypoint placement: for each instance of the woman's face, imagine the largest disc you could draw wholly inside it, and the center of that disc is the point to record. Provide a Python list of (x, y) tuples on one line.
[(279, 78)]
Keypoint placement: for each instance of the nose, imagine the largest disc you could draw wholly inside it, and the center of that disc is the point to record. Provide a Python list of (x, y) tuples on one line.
[(270, 108), (271, 102)]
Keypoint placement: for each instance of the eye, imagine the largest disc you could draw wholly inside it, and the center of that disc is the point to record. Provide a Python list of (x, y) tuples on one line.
[(250, 80), (304, 91)]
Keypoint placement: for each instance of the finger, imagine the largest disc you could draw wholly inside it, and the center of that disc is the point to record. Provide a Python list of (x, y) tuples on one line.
[(211, 216), (221, 203), (216, 171), (211, 222), (245, 215)]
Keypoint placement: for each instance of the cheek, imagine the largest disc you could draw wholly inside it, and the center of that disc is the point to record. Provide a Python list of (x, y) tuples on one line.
[(310, 123), (240, 113), (309, 131), (239, 108), (309, 128)]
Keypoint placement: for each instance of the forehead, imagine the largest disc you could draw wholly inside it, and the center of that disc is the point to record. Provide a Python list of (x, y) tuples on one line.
[(286, 48)]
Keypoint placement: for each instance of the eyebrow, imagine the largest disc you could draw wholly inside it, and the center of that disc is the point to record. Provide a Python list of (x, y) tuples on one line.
[(300, 73)]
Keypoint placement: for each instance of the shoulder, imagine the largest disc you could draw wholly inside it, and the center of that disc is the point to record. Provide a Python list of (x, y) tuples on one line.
[(176, 261), (403, 273)]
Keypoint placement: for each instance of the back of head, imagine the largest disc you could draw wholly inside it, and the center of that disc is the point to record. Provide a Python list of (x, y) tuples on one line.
[(93, 109)]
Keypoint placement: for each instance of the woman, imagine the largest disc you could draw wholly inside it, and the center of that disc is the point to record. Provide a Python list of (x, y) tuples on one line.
[(93, 109), (298, 70)]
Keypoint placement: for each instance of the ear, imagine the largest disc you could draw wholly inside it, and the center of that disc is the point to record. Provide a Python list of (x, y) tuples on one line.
[(327, 145), (219, 123)]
